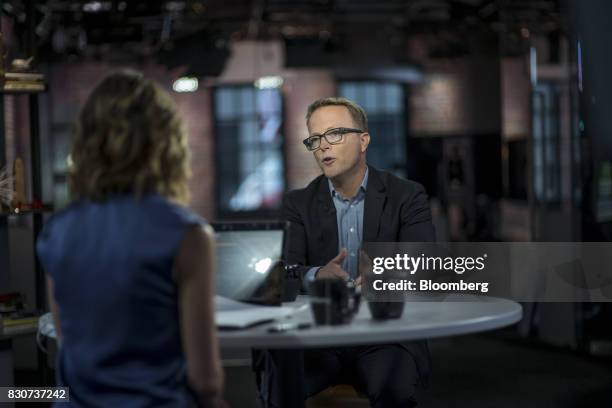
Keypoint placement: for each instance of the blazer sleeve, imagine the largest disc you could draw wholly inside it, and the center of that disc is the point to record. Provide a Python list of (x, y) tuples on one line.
[(416, 223), (296, 244)]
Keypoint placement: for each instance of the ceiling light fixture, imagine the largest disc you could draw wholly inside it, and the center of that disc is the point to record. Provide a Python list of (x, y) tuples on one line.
[(185, 84), (97, 6), (269, 82)]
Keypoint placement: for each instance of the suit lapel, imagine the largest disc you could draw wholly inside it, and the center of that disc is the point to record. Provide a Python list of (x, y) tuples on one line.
[(328, 222), (373, 207)]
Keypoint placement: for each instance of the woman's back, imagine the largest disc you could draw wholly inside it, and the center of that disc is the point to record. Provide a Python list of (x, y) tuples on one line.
[(112, 267)]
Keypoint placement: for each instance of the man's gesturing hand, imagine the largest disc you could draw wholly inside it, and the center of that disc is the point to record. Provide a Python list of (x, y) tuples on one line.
[(333, 269)]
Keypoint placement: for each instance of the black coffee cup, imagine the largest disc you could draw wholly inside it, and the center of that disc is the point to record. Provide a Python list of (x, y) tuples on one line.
[(386, 310), (333, 301)]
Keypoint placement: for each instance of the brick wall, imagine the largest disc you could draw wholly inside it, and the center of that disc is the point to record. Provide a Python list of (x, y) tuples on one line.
[(457, 97), (438, 105), (516, 117), (71, 83)]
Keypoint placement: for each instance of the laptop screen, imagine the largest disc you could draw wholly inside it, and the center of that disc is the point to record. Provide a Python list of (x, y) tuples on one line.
[(246, 254)]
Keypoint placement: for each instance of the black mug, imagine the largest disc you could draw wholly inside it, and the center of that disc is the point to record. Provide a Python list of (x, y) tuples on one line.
[(386, 310), (333, 301)]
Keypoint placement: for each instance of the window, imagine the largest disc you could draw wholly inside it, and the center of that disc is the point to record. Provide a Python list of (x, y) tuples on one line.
[(384, 103), (60, 149), (546, 136), (250, 165)]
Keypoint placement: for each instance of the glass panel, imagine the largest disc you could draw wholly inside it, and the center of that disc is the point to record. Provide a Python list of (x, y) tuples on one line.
[(546, 137), (61, 149), (249, 148), (393, 99), (538, 177), (248, 161), (247, 102), (383, 103), (348, 90), (369, 102), (223, 104), (269, 108), (249, 132), (268, 101), (61, 194)]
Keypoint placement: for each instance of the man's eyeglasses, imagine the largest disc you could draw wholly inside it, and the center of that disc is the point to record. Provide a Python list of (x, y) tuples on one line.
[(333, 136)]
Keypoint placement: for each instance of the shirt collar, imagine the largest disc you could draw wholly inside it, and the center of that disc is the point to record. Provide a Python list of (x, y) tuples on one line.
[(362, 188)]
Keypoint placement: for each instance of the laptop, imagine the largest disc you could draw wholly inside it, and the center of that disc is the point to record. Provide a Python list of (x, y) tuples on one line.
[(249, 261)]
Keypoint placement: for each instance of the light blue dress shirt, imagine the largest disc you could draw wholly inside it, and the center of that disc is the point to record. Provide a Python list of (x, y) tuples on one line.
[(349, 217)]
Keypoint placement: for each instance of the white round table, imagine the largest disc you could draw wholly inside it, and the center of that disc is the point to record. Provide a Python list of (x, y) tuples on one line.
[(423, 318)]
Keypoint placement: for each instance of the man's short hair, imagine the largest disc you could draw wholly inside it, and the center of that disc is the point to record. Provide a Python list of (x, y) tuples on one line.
[(360, 119)]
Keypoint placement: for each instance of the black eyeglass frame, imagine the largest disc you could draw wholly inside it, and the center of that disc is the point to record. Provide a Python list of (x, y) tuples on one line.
[(341, 130)]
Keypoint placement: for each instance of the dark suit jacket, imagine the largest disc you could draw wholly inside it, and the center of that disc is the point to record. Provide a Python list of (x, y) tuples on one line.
[(395, 210)]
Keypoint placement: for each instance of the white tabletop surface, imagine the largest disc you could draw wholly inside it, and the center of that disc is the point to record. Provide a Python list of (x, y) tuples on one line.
[(420, 320)]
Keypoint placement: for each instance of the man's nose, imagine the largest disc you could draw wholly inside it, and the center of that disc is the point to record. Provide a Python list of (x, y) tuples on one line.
[(324, 144)]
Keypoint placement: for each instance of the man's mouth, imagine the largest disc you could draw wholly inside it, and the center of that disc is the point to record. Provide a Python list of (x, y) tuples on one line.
[(328, 161)]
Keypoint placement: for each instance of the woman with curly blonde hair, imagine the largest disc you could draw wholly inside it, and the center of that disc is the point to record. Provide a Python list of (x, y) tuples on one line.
[(130, 268)]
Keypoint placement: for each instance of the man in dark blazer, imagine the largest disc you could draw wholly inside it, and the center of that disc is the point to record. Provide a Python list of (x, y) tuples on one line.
[(349, 203)]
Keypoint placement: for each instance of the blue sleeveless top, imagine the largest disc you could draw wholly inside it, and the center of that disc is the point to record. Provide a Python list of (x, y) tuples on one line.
[(112, 266)]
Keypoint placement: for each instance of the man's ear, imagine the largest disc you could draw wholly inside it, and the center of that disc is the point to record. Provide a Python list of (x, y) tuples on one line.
[(365, 141)]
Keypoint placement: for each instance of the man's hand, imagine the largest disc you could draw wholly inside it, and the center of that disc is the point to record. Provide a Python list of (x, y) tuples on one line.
[(334, 267), (365, 266)]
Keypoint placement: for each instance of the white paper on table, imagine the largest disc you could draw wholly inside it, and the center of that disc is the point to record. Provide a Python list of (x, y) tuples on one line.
[(231, 314)]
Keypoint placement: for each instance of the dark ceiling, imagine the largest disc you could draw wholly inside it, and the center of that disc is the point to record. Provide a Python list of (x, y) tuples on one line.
[(178, 30)]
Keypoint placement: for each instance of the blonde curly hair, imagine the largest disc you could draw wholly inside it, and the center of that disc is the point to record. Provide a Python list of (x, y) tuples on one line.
[(129, 139)]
